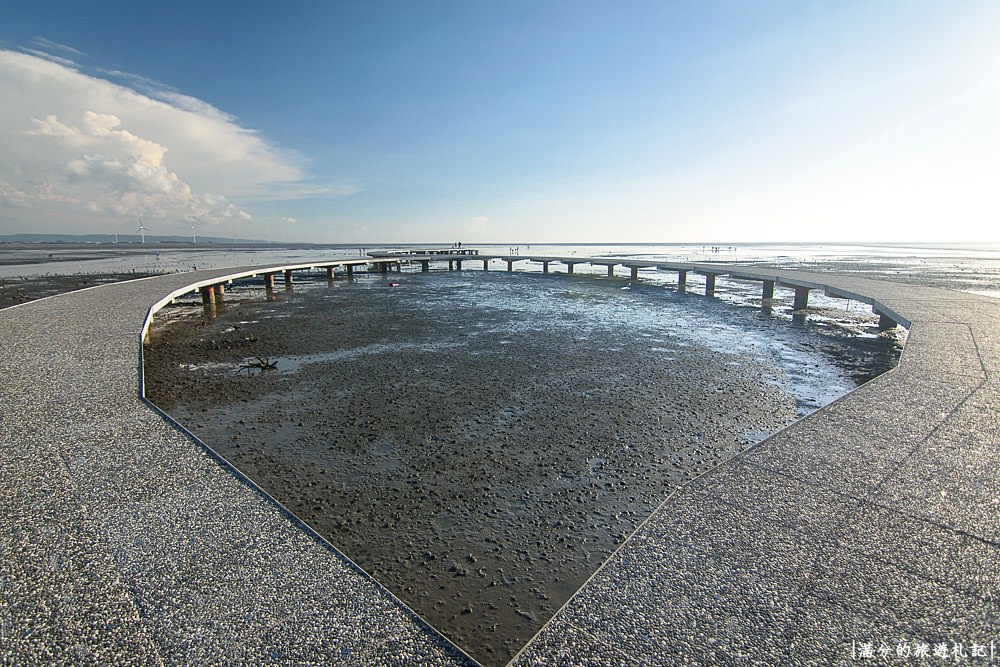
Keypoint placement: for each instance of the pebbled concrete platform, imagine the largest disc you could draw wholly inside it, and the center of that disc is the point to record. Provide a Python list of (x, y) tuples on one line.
[(867, 532), (874, 522), (123, 542)]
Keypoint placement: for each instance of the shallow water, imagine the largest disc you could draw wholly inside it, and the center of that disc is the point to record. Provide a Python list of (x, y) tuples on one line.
[(481, 442), (974, 268)]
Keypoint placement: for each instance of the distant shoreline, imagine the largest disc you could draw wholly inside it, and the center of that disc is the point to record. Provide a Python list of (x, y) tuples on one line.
[(130, 242), (30, 270)]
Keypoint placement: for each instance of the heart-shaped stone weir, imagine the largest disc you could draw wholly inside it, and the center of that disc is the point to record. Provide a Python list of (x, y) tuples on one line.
[(481, 443)]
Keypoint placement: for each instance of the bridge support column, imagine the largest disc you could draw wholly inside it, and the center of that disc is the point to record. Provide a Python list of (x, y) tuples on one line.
[(510, 265), (350, 271), (768, 291), (329, 273), (486, 265), (458, 265), (545, 267), (451, 265), (569, 267), (801, 298), (710, 284), (288, 278), (635, 273), (682, 279), (220, 292), (611, 270), (383, 267), (208, 302), (885, 322), (425, 265)]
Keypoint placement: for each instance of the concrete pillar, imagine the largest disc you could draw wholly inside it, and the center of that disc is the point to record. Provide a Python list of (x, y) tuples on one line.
[(768, 292), (350, 270), (635, 273), (682, 278), (383, 267), (569, 267), (486, 265), (288, 277), (510, 265), (458, 265), (220, 292), (269, 281), (710, 284), (545, 267), (425, 265), (801, 298), (329, 273), (611, 270), (451, 265), (885, 322), (208, 302)]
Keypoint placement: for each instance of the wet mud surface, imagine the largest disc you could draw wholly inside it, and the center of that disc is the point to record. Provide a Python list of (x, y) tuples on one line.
[(964, 274), (480, 443)]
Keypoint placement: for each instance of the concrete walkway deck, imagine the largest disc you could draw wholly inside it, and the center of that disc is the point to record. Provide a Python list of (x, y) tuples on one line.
[(123, 542), (871, 526), (873, 522)]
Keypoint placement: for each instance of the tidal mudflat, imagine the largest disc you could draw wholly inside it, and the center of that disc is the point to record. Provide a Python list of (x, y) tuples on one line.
[(479, 443)]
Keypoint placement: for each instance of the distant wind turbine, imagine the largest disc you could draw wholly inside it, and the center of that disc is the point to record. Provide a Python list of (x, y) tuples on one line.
[(142, 232)]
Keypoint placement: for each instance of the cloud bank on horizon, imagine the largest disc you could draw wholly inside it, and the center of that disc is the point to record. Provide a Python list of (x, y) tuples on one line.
[(85, 154), (555, 121)]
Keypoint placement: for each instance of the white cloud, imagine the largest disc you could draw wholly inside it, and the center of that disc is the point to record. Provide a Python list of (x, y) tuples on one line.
[(50, 45), (76, 148), (65, 62)]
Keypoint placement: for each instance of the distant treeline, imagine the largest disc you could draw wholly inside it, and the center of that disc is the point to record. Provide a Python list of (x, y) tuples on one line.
[(122, 238)]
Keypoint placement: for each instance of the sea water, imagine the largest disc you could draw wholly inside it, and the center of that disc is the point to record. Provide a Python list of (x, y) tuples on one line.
[(967, 267)]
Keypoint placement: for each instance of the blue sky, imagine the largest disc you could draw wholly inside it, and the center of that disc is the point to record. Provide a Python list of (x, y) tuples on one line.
[(503, 121)]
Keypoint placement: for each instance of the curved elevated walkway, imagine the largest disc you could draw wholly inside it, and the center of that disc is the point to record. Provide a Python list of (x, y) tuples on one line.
[(875, 521), (871, 525), (123, 542)]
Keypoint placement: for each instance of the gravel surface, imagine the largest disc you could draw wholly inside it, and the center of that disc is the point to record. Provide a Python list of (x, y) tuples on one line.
[(23, 289)]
